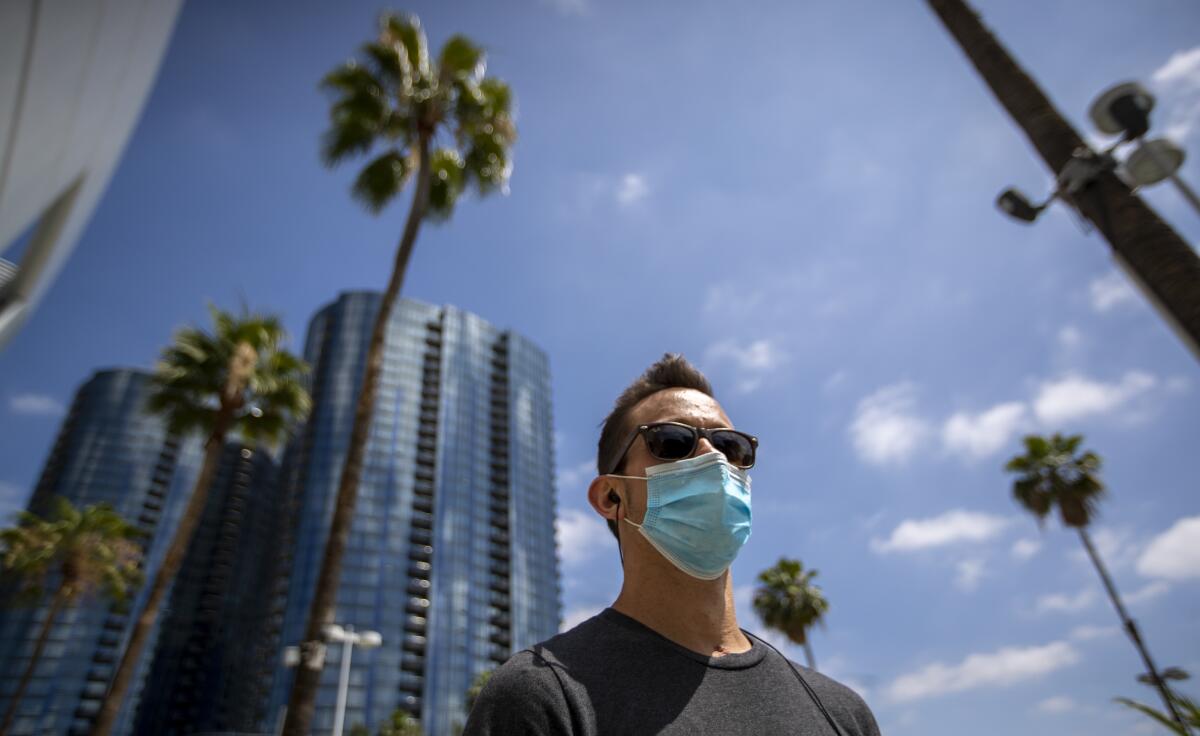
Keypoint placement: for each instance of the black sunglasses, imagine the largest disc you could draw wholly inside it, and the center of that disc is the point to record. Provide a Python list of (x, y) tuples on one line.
[(674, 441)]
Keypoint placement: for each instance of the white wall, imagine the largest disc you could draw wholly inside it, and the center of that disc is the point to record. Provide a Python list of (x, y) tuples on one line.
[(74, 76)]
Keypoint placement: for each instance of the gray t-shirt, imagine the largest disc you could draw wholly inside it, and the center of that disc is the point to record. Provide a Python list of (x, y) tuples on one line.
[(613, 675)]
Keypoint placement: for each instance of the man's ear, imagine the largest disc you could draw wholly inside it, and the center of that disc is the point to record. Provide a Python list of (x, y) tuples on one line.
[(603, 498)]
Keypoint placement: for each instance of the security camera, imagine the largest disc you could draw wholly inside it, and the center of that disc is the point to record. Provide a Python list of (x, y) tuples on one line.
[(1015, 204)]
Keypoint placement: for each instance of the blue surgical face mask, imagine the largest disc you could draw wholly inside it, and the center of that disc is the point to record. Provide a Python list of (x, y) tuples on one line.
[(697, 513)]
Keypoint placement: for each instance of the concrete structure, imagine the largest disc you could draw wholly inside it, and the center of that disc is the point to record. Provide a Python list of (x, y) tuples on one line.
[(73, 79), (452, 555)]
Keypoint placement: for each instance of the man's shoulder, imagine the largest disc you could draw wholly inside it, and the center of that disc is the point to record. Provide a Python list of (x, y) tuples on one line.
[(845, 705)]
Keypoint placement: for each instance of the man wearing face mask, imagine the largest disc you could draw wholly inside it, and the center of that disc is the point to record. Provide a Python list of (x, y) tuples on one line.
[(668, 656)]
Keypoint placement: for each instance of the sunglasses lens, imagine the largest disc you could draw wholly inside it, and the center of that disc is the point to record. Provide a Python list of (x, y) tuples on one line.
[(736, 448), (670, 442)]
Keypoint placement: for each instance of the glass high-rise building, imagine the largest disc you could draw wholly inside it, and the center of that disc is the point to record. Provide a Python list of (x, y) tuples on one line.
[(216, 650), (108, 450), (451, 557)]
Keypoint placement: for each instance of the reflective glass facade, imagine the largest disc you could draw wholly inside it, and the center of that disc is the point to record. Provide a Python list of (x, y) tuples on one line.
[(108, 450), (451, 556), (216, 649)]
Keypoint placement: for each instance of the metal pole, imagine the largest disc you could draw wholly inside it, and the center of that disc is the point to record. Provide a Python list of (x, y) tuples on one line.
[(339, 715)]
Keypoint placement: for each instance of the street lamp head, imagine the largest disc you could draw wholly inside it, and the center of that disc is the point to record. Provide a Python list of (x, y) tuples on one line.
[(369, 639), (334, 632), (1153, 161), (1016, 205), (1123, 110)]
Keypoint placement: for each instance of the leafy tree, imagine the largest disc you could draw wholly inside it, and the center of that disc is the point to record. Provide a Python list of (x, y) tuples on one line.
[(235, 379), (401, 724), (788, 602), (1051, 475), (442, 121), (1188, 708), (77, 552), (481, 680), (359, 729)]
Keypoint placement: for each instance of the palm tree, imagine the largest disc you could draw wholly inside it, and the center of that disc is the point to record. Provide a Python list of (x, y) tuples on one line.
[(446, 123), (789, 602), (81, 551), (1051, 475), (238, 378), (1187, 706)]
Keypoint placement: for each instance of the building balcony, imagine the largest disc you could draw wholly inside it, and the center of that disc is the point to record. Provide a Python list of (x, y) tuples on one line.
[(501, 639), (417, 606), (419, 569), (421, 552), (418, 587), (414, 643)]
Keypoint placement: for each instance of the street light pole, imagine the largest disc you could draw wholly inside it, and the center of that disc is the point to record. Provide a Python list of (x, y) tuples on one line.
[(339, 714), (1162, 260), (349, 638)]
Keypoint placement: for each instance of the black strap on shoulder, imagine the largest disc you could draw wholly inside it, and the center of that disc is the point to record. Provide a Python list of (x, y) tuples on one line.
[(807, 688)]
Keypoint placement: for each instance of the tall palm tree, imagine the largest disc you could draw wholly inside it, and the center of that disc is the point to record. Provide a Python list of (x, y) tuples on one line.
[(1051, 475), (236, 379), (452, 127), (78, 551), (788, 601)]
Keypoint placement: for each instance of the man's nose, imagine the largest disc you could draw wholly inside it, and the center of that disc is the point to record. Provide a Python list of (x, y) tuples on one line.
[(703, 447)]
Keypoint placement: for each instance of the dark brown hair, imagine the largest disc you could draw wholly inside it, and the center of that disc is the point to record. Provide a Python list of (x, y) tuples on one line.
[(670, 371)]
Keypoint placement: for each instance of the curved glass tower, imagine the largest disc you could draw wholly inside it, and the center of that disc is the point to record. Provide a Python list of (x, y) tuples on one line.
[(109, 450), (451, 556)]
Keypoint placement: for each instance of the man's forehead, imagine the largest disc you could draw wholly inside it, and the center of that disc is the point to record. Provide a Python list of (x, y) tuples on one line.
[(686, 405)]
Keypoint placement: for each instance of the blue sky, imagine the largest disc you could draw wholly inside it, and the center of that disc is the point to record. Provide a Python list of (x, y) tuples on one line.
[(798, 196)]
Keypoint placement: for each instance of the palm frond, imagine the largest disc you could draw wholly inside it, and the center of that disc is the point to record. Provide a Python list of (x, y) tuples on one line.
[(381, 180), (406, 30), (446, 184)]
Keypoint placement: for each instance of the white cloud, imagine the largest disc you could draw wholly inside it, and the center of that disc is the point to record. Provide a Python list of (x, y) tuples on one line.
[(1024, 549), (568, 7), (12, 500), (632, 189), (753, 360), (1174, 554), (885, 427), (1087, 632), (1006, 666), (968, 573), (1069, 337), (1148, 592), (1056, 704), (578, 615), (980, 435), (1111, 290), (1074, 397), (1065, 603), (581, 535), (1178, 85), (38, 405), (572, 479), (952, 527), (1115, 546)]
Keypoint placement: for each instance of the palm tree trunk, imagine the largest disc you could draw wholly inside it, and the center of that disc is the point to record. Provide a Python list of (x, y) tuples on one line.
[(808, 655), (1132, 630), (1160, 260), (241, 364), (60, 598), (302, 700)]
